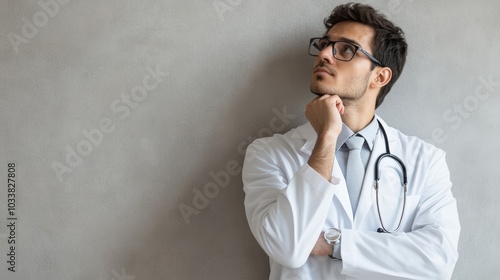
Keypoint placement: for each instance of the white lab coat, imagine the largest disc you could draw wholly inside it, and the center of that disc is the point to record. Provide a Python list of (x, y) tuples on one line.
[(288, 204)]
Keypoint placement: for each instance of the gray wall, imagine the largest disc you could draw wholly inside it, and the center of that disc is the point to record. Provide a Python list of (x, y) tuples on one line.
[(121, 115)]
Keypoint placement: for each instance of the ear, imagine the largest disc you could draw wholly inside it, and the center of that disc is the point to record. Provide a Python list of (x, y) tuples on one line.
[(381, 77)]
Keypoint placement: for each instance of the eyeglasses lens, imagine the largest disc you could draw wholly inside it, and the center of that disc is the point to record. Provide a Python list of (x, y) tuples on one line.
[(341, 50)]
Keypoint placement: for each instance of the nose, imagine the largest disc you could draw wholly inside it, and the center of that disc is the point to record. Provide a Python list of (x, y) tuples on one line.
[(327, 54)]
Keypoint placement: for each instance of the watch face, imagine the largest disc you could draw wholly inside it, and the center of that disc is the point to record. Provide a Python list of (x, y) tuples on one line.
[(332, 234)]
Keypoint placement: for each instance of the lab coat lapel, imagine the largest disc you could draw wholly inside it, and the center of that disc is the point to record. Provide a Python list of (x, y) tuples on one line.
[(341, 190)]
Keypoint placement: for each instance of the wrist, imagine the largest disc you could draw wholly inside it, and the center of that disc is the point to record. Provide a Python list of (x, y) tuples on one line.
[(329, 135), (332, 237), (336, 252)]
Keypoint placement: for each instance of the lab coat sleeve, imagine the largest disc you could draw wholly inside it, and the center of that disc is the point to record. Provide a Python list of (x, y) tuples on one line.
[(285, 215), (428, 251)]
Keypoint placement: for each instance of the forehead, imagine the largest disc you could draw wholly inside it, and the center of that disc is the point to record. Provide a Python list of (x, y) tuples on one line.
[(358, 32)]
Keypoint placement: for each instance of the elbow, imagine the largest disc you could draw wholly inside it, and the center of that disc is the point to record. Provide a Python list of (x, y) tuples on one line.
[(441, 265), (291, 259), (443, 268), (290, 254), (296, 260), (442, 253), (284, 245), (295, 264)]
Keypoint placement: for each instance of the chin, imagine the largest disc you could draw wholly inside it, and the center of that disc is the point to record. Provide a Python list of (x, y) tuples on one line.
[(321, 90)]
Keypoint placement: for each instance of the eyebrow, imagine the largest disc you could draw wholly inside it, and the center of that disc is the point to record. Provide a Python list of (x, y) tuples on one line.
[(344, 39)]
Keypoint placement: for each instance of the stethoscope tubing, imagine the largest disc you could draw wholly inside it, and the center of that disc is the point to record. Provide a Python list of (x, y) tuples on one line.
[(388, 154)]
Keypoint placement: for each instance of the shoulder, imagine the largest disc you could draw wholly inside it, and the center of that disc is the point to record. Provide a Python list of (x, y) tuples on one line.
[(289, 142), (415, 147)]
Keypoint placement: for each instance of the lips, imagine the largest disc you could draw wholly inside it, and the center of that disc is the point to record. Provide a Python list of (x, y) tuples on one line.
[(323, 70)]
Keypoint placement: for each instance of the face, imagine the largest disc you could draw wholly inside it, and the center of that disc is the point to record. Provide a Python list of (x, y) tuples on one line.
[(347, 79)]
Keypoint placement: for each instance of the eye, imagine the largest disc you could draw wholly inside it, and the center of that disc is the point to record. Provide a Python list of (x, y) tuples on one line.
[(344, 51), (347, 49), (322, 44)]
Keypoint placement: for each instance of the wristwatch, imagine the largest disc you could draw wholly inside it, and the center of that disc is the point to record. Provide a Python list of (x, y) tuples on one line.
[(332, 237)]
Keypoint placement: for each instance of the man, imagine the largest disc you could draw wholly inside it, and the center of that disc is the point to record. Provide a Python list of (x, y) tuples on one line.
[(308, 205)]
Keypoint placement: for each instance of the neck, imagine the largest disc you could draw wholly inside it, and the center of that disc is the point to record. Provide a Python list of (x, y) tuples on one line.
[(357, 117)]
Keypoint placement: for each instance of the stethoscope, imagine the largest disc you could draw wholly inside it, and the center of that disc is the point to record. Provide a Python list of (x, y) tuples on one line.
[(388, 154)]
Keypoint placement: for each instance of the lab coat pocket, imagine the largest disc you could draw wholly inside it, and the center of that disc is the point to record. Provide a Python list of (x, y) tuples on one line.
[(391, 207)]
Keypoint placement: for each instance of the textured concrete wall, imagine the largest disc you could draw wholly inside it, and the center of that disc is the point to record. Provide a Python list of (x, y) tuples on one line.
[(127, 122)]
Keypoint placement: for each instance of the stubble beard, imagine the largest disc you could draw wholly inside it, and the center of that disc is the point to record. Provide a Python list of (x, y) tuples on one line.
[(355, 89)]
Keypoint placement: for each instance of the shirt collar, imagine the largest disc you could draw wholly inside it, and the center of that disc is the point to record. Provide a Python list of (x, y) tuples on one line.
[(307, 132), (369, 133), (345, 134)]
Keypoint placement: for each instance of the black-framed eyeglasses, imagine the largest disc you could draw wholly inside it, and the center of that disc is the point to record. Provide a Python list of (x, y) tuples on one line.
[(343, 51)]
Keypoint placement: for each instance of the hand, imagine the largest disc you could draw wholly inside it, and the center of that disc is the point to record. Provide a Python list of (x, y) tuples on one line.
[(324, 112), (321, 248), (324, 115)]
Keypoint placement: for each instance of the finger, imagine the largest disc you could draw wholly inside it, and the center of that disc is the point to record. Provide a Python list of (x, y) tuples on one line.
[(340, 106), (323, 97), (338, 103)]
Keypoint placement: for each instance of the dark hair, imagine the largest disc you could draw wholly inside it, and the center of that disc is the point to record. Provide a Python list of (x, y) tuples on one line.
[(389, 46)]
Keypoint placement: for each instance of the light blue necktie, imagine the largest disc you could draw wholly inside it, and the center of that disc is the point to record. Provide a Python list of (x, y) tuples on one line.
[(355, 170)]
